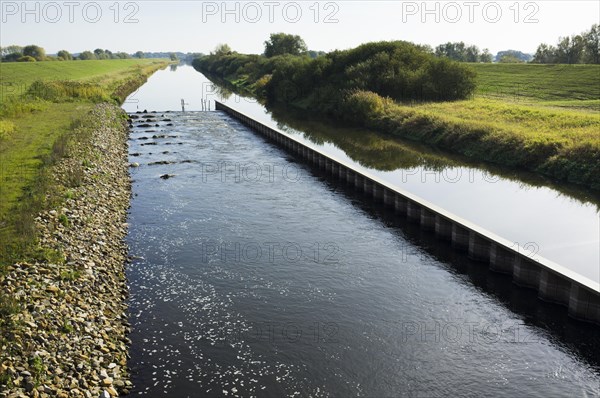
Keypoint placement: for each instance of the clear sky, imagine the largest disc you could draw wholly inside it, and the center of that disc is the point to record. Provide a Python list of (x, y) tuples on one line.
[(197, 26)]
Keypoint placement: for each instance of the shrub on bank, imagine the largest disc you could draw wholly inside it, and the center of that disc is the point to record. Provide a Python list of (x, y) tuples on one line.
[(6, 129), (65, 90), (26, 58), (400, 70), (359, 106)]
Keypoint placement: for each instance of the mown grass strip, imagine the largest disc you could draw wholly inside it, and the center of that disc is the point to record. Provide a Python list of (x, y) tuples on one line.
[(537, 83)]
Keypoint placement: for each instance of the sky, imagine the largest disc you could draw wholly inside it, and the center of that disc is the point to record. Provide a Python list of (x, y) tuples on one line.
[(199, 26)]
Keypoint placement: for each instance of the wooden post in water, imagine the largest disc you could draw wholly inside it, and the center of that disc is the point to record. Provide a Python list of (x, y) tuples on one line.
[(205, 104)]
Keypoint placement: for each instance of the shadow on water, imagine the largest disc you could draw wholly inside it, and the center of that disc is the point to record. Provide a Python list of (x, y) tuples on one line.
[(386, 153), (580, 338)]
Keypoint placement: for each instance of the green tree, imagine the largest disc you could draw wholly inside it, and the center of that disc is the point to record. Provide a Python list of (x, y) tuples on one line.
[(101, 54), (545, 54), (427, 48), (13, 57), (283, 43), (315, 54), (65, 55), (173, 57), (11, 53), (455, 51), (8, 50), (34, 51), (222, 49), (570, 50), (459, 51), (592, 45), (577, 49), (472, 54), (139, 54), (87, 55), (486, 56)]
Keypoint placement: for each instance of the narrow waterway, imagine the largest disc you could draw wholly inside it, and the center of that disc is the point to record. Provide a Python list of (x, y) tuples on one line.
[(255, 277), (558, 222)]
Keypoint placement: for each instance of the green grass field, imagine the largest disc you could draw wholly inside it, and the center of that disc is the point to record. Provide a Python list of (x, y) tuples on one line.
[(17, 77), (538, 83), (544, 118), (547, 102), (30, 126)]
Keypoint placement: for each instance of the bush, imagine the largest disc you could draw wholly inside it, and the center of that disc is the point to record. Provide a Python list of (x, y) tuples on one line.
[(360, 106), (13, 106), (6, 129), (26, 58), (399, 70), (448, 80), (261, 85), (64, 90)]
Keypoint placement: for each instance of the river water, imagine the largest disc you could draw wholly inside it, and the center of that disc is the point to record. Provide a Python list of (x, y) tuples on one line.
[(256, 277), (558, 222)]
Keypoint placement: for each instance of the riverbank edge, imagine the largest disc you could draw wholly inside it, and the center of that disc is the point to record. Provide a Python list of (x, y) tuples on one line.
[(69, 336), (579, 166), (46, 122)]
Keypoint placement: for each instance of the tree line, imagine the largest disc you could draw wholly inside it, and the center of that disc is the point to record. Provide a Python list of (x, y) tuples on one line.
[(461, 52), (583, 48), (286, 73), (33, 53)]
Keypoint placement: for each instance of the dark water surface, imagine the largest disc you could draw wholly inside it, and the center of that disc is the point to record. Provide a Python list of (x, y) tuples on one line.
[(257, 277)]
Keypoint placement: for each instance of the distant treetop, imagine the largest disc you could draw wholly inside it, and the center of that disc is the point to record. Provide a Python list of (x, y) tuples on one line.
[(283, 43)]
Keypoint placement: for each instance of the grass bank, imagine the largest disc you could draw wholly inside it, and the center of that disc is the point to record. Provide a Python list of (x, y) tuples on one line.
[(63, 327), (540, 118), (561, 144), (571, 86), (40, 110)]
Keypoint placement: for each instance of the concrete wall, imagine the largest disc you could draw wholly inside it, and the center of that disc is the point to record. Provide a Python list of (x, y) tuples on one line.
[(553, 282)]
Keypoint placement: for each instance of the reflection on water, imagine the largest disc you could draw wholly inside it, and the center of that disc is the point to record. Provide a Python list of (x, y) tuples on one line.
[(366, 148), (385, 153), (561, 223)]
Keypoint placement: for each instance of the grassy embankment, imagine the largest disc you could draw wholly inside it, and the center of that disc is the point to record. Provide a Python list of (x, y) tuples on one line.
[(40, 108), (541, 118)]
